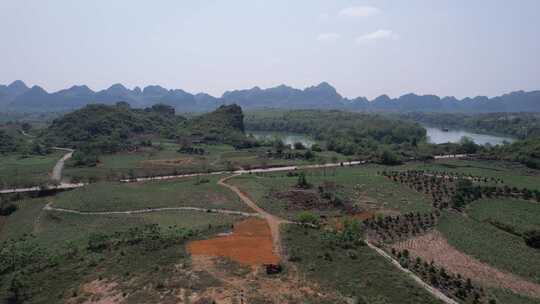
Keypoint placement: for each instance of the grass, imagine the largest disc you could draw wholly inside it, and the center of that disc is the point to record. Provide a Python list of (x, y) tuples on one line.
[(104, 196), (53, 229), (358, 184), (368, 277), (18, 171), (491, 245), (22, 221), (56, 228), (520, 215)]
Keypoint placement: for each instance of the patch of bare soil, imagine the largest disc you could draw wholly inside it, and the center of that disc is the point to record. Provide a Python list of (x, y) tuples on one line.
[(434, 247), (298, 199), (174, 162), (253, 286), (99, 292), (249, 244)]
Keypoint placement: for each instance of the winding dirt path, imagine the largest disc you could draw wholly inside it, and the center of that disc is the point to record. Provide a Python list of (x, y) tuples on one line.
[(48, 207), (273, 221)]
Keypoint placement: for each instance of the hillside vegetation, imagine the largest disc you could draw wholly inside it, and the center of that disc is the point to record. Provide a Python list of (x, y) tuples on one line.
[(111, 128)]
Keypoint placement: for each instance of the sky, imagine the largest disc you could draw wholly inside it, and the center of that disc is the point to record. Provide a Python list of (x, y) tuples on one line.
[(363, 48)]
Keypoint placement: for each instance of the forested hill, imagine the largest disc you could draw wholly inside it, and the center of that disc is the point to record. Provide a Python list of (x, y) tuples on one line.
[(18, 97), (110, 128)]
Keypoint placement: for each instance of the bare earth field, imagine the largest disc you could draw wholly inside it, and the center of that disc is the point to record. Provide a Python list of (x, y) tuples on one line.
[(434, 247), (249, 244)]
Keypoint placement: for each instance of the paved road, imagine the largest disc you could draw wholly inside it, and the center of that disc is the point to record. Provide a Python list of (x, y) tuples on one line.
[(266, 170), (59, 166)]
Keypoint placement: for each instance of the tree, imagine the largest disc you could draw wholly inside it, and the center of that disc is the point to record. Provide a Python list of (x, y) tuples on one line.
[(299, 146), (467, 145), (389, 158), (309, 154), (279, 146), (316, 148), (302, 181)]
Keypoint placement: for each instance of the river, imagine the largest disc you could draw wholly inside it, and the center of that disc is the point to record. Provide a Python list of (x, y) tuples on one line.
[(438, 136)]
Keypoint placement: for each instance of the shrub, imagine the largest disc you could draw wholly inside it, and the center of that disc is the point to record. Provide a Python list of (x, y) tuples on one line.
[(307, 217), (532, 238)]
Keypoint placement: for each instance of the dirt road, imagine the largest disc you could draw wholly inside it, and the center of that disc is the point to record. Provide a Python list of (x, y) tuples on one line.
[(273, 221)]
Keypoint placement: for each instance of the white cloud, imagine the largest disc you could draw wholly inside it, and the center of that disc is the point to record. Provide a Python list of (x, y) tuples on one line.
[(377, 35), (360, 11), (328, 37)]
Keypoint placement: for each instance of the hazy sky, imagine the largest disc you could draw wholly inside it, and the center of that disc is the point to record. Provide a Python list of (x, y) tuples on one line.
[(363, 48)]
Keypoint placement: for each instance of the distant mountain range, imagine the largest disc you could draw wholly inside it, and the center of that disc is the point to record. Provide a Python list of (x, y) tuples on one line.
[(18, 97)]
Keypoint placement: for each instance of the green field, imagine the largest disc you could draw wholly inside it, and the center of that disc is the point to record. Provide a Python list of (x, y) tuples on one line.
[(521, 215), (368, 277), (361, 185), (491, 245), (22, 221), (512, 174), (54, 228), (18, 171), (156, 194), (168, 161)]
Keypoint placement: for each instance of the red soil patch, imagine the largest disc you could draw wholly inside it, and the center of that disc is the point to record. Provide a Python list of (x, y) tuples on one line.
[(434, 247), (250, 244)]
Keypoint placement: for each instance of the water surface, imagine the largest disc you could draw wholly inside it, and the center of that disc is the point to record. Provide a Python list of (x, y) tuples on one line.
[(438, 136)]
